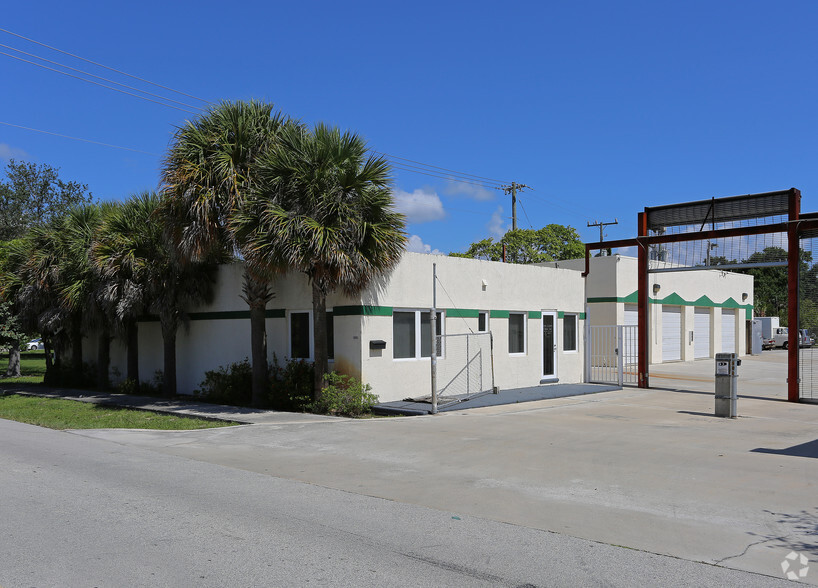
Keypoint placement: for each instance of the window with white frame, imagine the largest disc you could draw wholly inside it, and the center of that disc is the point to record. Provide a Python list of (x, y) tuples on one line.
[(411, 333), (482, 321), (569, 332), (516, 332)]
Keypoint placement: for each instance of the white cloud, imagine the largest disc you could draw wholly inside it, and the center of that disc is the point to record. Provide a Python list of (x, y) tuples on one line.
[(9, 152), (417, 245), (471, 191), (497, 225), (420, 206)]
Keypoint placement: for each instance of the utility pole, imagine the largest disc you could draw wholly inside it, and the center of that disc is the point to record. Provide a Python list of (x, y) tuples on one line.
[(602, 226), (512, 189)]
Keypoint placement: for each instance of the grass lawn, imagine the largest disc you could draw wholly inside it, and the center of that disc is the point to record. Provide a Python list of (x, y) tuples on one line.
[(32, 366), (56, 413)]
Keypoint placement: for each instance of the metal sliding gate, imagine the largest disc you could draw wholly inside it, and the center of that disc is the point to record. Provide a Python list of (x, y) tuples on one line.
[(808, 317), (612, 355)]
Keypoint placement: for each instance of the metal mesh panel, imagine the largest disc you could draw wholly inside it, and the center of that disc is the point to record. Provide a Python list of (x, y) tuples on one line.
[(466, 368), (769, 249), (808, 319)]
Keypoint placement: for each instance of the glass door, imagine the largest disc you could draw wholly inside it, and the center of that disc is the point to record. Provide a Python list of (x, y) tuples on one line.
[(549, 344)]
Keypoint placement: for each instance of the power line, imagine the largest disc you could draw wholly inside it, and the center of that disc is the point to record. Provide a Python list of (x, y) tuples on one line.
[(555, 205), (103, 66), (411, 166), (526, 215), (78, 139), (97, 77), (444, 177), (97, 83), (490, 180)]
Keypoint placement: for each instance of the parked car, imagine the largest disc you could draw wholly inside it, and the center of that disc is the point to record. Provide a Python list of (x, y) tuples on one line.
[(35, 344), (804, 338)]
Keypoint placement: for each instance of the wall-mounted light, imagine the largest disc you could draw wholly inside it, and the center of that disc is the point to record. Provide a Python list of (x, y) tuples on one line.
[(744, 296), (484, 284), (656, 288)]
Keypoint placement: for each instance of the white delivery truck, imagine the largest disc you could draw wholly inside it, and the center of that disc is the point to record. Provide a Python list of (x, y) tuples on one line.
[(769, 328)]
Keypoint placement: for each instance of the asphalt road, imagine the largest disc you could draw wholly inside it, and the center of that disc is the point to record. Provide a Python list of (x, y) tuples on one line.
[(85, 511)]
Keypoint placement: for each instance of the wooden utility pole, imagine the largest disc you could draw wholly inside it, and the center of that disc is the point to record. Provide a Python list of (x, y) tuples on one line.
[(601, 228), (512, 189)]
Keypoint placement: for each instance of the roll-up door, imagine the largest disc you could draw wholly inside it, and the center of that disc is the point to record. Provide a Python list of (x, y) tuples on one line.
[(671, 333), (728, 330), (631, 314), (701, 333)]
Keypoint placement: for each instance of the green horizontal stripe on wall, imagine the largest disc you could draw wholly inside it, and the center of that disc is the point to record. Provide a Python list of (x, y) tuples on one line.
[(534, 314), (462, 313), (362, 311), (560, 314), (221, 315), (582, 316), (498, 314), (672, 299)]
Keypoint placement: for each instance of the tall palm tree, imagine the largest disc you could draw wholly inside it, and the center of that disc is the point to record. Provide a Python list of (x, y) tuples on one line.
[(208, 172), (323, 207), (145, 272), (81, 286)]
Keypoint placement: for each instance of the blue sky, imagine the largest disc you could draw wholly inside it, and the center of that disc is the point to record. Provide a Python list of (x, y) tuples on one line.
[(602, 107)]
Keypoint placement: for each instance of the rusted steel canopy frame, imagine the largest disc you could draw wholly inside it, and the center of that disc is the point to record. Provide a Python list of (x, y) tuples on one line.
[(793, 229), (643, 364), (793, 265)]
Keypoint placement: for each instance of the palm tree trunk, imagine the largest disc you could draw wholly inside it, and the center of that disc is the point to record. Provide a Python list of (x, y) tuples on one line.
[(103, 357), (76, 348), (13, 370), (169, 349), (257, 293), (132, 336), (319, 335), (48, 378)]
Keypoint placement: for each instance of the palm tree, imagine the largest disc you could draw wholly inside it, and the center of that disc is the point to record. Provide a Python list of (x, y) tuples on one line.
[(208, 172), (30, 284), (56, 288), (81, 287), (323, 207), (145, 272)]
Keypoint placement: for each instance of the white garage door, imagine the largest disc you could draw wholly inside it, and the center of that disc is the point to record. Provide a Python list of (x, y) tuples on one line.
[(671, 333), (701, 333), (631, 314), (728, 330)]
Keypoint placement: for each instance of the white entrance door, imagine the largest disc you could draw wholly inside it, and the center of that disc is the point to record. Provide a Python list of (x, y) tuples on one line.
[(671, 333), (549, 344), (728, 330), (701, 333)]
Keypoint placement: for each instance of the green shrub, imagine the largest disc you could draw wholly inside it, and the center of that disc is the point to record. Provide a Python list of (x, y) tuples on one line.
[(128, 386), (345, 395), (231, 385), (291, 386)]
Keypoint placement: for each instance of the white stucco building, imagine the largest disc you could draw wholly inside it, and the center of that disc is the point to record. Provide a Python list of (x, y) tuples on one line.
[(693, 314), (535, 315)]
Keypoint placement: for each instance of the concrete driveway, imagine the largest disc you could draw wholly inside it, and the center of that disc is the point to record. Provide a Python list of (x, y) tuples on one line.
[(647, 469)]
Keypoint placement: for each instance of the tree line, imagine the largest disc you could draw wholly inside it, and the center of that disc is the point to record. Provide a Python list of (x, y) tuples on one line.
[(241, 181)]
